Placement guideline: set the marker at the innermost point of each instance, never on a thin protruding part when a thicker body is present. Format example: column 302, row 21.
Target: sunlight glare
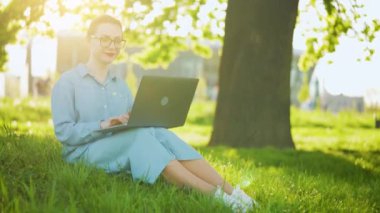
column 4, row 3
column 71, row 4
column 133, row 25
column 157, row 11
column 27, row 12
column 167, row 3
column 138, row 7
column 59, row 23
column 116, row 3
column 185, row 25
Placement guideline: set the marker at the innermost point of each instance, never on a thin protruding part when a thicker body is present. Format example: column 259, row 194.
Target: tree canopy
column 163, row 28
column 338, row 18
column 14, row 16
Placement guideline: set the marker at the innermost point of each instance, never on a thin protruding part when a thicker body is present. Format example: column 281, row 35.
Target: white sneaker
column 246, row 203
column 221, row 195
column 238, row 201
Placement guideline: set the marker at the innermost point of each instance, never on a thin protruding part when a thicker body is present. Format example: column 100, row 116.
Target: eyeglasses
column 106, row 41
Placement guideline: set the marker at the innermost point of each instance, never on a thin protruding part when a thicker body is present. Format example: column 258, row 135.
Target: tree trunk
column 253, row 108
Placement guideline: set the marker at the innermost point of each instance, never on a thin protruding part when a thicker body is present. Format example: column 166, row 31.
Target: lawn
column 335, row 167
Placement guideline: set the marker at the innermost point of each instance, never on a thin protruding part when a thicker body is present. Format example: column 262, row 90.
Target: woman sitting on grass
column 90, row 97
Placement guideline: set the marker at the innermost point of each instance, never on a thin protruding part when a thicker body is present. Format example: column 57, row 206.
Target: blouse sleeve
column 66, row 129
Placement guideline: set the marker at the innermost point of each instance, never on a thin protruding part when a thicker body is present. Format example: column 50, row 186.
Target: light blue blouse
column 79, row 103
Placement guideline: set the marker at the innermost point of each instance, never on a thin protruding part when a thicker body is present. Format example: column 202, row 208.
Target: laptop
column 160, row 102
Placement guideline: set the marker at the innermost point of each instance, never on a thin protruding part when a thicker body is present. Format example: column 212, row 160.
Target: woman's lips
column 110, row 54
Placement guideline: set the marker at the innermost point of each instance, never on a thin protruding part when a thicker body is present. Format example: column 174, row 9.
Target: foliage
column 163, row 28
column 16, row 15
column 336, row 167
column 339, row 18
column 303, row 93
column 174, row 27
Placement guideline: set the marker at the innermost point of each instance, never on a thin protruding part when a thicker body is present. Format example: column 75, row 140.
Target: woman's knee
column 172, row 168
column 170, row 173
column 172, row 164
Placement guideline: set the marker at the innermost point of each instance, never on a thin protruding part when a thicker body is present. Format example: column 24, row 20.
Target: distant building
column 324, row 90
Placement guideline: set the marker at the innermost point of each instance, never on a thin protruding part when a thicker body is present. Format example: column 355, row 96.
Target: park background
column 329, row 160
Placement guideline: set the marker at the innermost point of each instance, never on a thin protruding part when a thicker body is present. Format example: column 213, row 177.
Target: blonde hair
column 101, row 20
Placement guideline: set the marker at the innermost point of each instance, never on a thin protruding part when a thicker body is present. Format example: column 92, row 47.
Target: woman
column 90, row 97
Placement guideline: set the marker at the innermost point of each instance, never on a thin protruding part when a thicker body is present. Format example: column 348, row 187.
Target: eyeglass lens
column 106, row 42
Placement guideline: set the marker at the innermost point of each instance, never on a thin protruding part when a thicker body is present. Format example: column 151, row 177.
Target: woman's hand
column 122, row 118
column 115, row 121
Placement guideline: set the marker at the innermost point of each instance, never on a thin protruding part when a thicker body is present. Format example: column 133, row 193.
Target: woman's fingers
column 115, row 121
column 124, row 118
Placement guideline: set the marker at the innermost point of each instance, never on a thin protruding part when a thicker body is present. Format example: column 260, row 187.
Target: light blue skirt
column 143, row 152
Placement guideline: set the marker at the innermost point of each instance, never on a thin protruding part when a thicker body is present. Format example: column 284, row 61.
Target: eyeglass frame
column 122, row 41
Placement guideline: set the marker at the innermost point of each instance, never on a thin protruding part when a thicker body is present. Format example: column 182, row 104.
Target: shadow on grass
column 351, row 170
column 336, row 163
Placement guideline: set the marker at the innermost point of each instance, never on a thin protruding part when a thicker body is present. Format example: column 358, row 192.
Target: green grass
column 335, row 167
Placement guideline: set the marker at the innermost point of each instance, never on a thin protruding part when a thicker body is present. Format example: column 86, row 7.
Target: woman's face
column 106, row 42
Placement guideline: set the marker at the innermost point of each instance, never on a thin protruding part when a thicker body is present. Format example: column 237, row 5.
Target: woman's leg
column 175, row 173
column 206, row 172
column 199, row 168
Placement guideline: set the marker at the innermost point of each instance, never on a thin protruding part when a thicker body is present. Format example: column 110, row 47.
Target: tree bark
column 253, row 107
